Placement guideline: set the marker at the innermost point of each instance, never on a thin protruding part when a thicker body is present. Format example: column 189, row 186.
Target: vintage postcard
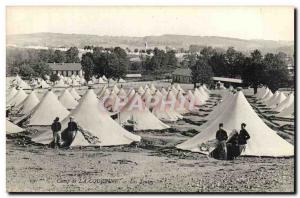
column 115, row 99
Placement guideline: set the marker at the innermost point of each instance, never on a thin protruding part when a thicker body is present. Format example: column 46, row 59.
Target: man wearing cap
column 56, row 127
column 72, row 126
column 221, row 136
column 243, row 137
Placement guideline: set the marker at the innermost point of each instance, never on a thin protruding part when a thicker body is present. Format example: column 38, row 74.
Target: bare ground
column 153, row 166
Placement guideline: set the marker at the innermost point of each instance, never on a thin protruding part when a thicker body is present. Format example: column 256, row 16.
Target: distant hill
column 173, row 41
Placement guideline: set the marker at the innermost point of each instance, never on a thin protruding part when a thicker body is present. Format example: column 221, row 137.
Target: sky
column 268, row 23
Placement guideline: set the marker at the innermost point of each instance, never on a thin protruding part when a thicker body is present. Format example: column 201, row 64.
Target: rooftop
column 65, row 66
column 223, row 79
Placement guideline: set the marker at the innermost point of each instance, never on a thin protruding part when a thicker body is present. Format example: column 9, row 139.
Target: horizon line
column 167, row 34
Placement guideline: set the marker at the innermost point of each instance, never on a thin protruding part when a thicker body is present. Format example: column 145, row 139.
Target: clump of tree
column 33, row 62
column 255, row 69
column 111, row 62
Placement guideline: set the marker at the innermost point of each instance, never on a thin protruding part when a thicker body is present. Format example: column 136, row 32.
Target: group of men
column 56, row 129
column 228, row 149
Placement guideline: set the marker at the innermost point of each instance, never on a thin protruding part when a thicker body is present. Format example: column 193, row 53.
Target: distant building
column 133, row 75
column 66, row 69
column 182, row 75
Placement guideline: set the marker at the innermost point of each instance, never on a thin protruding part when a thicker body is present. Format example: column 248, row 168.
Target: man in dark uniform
column 72, row 127
column 56, row 127
column 243, row 137
column 221, row 136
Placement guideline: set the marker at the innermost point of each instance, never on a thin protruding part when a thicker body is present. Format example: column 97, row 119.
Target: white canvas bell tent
column 103, row 91
column 288, row 112
column 122, row 93
column 67, row 100
column 101, row 81
column 91, row 116
column 12, row 128
column 267, row 96
column 43, row 84
column 165, row 109
column 122, row 80
column 272, row 99
column 131, row 93
column 115, row 89
column 203, row 93
column 74, row 93
column 260, row 92
column 286, row 103
column 47, row 110
column 183, row 105
column 199, row 99
column 29, row 104
column 137, row 111
column 11, row 94
column 22, row 84
column 141, row 90
column 18, row 98
column 206, row 89
column 263, row 140
column 60, row 83
column 264, row 93
column 152, row 88
column 104, row 78
column 280, row 98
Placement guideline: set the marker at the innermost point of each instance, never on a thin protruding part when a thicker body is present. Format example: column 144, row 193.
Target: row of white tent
column 63, row 82
column 234, row 109
column 43, row 112
column 277, row 102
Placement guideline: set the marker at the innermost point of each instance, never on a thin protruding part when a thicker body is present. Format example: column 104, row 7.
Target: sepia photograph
column 150, row 99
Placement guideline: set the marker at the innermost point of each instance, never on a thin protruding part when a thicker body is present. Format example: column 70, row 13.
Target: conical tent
column 203, row 93
column 47, row 110
column 272, row 99
column 22, row 84
column 104, row 78
column 102, row 91
column 137, row 111
column 165, row 109
column 287, row 112
column 18, row 98
column 199, row 99
column 182, row 105
column 164, row 91
column 263, row 140
column 91, row 116
column 101, row 81
column 141, row 90
column 206, row 89
column 67, row 100
column 29, row 104
column 12, row 128
column 130, row 94
column 263, row 94
column 122, row 80
column 74, row 93
column 260, row 92
column 60, row 83
column 115, row 89
column 122, row 93
column 281, row 97
column 11, row 94
column 43, row 84
column 286, row 103
column 267, row 96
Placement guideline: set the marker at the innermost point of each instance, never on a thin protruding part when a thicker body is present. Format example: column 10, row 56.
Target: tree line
column 255, row 69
